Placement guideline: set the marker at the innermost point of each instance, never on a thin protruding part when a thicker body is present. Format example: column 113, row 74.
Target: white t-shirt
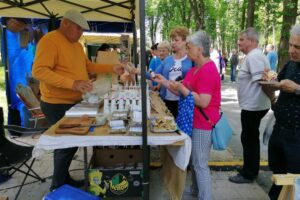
column 250, row 94
column 175, row 72
column 215, row 57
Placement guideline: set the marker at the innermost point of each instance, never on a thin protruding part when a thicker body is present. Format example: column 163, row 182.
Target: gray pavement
column 222, row 188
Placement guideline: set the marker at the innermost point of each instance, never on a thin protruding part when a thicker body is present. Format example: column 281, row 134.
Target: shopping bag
column 184, row 119
column 221, row 133
column 269, row 129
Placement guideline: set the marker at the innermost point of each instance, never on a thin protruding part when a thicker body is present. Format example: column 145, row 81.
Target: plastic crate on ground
column 68, row 192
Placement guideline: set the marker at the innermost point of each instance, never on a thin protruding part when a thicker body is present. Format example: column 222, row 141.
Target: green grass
column 2, row 79
column 3, row 102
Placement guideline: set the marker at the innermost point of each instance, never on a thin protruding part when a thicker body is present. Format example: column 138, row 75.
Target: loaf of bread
column 271, row 76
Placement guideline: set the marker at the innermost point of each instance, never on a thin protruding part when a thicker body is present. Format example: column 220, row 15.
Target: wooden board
column 287, row 193
column 285, row 179
column 76, row 130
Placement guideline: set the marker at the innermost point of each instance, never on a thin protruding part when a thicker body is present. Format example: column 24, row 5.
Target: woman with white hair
column 203, row 83
column 164, row 49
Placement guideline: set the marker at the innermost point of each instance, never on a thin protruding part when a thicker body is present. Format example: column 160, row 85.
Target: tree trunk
column 151, row 29
column 267, row 23
column 198, row 10
column 243, row 19
column 250, row 13
column 289, row 19
column 153, row 23
column 185, row 12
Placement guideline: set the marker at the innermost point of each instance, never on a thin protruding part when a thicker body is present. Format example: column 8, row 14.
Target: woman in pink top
column 203, row 81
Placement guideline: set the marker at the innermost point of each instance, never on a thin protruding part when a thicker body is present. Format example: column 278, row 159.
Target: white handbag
column 269, row 128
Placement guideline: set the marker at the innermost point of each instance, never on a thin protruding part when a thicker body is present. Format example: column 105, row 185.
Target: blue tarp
column 19, row 66
column 20, row 59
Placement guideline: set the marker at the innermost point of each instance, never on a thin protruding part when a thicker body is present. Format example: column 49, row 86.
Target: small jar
column 100, row 119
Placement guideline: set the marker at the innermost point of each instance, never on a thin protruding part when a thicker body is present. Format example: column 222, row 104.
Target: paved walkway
column 222, row 188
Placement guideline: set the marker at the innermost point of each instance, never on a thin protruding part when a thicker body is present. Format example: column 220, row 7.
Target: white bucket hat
column 77, row 18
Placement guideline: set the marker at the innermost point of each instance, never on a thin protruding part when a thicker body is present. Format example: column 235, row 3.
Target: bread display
column 271, row 75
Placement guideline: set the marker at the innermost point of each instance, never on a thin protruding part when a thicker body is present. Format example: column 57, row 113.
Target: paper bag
column 104, row 81
column 107, row 57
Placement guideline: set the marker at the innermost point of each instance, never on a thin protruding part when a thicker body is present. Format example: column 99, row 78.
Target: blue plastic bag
column 221, row 134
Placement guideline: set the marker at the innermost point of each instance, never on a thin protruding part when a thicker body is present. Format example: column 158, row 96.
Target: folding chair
column 13, row 157
column 31, row 102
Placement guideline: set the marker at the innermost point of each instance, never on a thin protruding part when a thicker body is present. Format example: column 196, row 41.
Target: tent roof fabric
column 99, row 38
column 93, row 10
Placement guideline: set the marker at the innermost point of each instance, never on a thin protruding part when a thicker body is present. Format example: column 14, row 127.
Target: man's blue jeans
column 233, row 73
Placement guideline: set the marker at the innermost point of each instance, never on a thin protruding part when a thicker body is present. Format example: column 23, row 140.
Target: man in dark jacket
column 234, row 60
column 284, row 144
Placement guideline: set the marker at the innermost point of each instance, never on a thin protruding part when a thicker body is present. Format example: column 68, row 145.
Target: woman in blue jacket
column 175, row 67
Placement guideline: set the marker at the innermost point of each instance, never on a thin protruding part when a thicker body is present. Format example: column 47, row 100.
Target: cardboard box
column 111, row 157
column 108, row 181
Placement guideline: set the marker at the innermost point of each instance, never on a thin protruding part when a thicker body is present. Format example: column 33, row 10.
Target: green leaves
column 222, row 19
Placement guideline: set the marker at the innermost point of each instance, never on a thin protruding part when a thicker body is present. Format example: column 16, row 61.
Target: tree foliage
column 224, row 19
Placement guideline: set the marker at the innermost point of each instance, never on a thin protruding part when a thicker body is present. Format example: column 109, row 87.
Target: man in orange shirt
column 62, row 68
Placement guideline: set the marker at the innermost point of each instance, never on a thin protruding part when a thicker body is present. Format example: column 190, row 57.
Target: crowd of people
column 202, row 81
column 187, row 68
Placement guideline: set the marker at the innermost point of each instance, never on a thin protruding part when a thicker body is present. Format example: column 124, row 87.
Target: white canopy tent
column 99, row 38
column 93, row 10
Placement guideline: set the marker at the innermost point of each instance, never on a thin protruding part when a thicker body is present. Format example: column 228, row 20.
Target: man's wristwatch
column 297, row 91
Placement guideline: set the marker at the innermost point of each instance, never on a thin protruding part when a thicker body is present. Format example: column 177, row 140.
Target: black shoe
column 75, row 183
column 52, row 188
column 240, row 179
column 4, row 178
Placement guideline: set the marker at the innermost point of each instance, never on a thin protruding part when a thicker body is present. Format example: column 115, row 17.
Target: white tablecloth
column 180, row 154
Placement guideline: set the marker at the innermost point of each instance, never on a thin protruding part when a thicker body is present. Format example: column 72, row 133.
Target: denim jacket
column 164, row 69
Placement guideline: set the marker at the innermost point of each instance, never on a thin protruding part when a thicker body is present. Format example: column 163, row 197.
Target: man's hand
column 127, row 78
column 118, row 69
column 130, row 68
column 82, row 86
column 265, row 74
column 288, row 85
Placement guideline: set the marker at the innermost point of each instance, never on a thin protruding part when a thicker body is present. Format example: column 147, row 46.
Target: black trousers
column 172, row 106
column 283, row 153
column 62, row 157
column 250, row 142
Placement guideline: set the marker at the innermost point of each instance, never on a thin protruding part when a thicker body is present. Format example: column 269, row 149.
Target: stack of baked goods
column 158, row 106
column 161, row 124
column 271, row 76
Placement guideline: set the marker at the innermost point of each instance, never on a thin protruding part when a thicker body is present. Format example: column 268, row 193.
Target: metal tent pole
column 144, row 100
column 135, row 55
column 7, row 82
column 13, row 114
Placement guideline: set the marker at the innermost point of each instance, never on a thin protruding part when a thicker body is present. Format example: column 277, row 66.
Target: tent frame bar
column 21, row 5
column 96, row 9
